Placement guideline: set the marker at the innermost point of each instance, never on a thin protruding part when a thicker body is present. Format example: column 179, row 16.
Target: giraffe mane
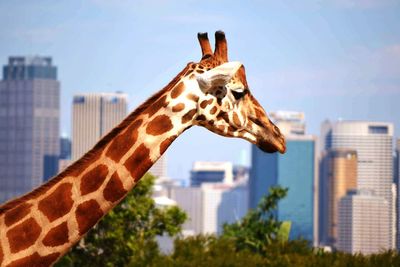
column 100, row 144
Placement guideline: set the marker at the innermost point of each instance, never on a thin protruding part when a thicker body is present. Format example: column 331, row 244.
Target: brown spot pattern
column 236, row 119
column 1, row 255
column 165, row 144
column 188, row 116
column 159, row 125
column 201, row 117
column 231, row 128
column 123, row 142
column 83, row 163
column 153, row 108
column 23, row 235
column 92, row 180
column 177, row 91
column 213, row 110
column 178, row 107
column 223, row 115
column 193, row 97
column 205, row 103
column 139, row 162
column 221, row 128
column 114, row 189
column 57, row 236
column 35, row 260
column 17, row 213
column 58, row 203
column 87, row 215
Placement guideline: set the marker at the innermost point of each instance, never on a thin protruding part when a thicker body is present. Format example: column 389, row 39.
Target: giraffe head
column 225, row 105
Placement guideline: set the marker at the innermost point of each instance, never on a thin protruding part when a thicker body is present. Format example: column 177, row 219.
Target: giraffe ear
column 218, row 76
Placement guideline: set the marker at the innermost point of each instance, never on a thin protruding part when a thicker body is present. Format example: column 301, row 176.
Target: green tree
column 260, row 226
column 128, row 233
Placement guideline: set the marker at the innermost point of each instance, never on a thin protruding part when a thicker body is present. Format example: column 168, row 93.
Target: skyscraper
column 296, row 170
column 93, row 116
column 289, row 122
column 159, row 168
column 211, row 172
column 339, row 168
column 211, row 205
column 362, row 219
column 29, row 123
column 65, row 148
column 373, row 143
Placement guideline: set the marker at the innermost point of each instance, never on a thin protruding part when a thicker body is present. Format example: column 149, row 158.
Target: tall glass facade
column 295, row 170
column 29, row 123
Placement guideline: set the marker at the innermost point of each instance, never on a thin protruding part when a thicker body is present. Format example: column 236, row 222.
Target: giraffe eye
column 238, row 95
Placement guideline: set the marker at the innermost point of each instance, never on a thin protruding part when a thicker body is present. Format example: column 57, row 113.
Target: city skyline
column 335, row 59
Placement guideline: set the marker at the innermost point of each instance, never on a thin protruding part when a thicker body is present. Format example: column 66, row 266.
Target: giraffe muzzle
column 270, row 139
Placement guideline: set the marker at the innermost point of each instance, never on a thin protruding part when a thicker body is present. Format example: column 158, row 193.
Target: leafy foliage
column 128, row 232
column 126, row 237
column 206, row 251
column 260, row 226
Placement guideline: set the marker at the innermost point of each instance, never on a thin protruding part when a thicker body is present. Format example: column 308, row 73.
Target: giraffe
column 41, row 226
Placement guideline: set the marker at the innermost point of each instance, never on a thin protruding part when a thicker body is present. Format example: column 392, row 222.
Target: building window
column 378, row 129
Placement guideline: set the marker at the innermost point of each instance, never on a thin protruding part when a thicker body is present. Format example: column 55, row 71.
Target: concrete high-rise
column 289, row 122
column 211, row 172
column 29, row 123
column 339, row 174
column 93, row 116
column 373, row 143
column 159, row 168
column 363, row 217
column 211, row 205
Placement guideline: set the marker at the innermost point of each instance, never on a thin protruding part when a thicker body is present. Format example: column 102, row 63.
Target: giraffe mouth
column 272, row 146
column 269, row 138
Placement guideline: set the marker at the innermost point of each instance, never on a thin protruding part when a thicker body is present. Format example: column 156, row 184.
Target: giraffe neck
column 41, row 226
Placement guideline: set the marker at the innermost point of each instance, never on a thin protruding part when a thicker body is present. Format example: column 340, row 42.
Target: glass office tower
column 29, row 123
column 296, row 170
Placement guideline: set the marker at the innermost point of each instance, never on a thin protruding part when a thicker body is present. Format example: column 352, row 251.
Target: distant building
column 211, row 205
column 211, row 172
column 373, row 143
column 397, row 183
column 241, row 173
column 65, row 148
column 190, row 199
column 159, row 168
column 339, row 168
column 63, row 164
column 29, row 124
column 53, row 164
column 222, row 203
column 363, row 217
column 296, row 170
column 289, row 122
column 94, row 115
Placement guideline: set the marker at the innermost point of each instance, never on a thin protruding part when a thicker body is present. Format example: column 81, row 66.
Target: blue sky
column 331, row 59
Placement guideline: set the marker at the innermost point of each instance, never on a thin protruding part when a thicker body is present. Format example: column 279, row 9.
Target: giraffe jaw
column 267, row 137
column 272, row 147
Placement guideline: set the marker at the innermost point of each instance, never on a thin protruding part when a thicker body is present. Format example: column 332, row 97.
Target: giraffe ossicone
column 41, row 226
